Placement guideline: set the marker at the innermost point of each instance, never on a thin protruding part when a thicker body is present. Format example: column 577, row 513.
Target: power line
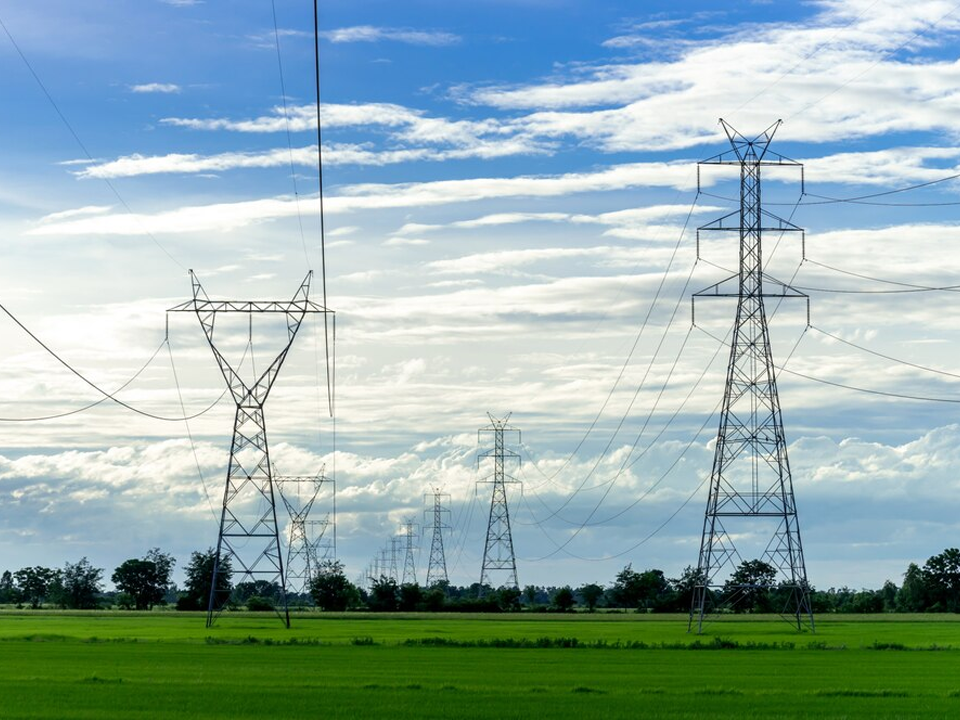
column 880, row 59
column 90, row 406
column 286, row 121
column 809, row 55
column 859, row 199
column 81, row 144
column 885, row 357
column 848, row 291
column 623, row 368
column 882, row 280
column 193, row 445
column 323, row 245
column 106, row 395
column 854, row 388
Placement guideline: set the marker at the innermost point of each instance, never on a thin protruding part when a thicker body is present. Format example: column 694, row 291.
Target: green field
column 123, row 665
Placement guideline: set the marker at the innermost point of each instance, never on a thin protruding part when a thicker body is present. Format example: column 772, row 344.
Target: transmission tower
column 394, row 552
column 302, row 547
column 751, row 473
column 437, row 567
column 498, row 553
column 383, row 569
column 409, row 564
column 248, row 538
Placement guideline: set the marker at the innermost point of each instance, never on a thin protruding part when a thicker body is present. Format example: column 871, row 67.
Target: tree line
column 146, row 582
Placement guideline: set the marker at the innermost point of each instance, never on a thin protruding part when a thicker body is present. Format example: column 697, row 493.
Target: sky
column 511, row 202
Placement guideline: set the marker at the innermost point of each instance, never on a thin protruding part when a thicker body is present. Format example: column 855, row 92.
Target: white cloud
column 334, row 155
column 155, row 88
column 370, row 33
column 77, row 212
column 621, row 107
column 230, row 216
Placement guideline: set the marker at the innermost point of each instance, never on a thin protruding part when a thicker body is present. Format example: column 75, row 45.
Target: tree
column 941, row 575
column 563, row 599
column 653, row 587
column 146, row 579
column 912, row 595
column 199, row 572
column 748, row 589
column 8, row 591
column 683, row 588
column 530, row 595
column 411, row 596
column 508, row 599
column 33, row 584
column 626, row 589
column 591, row 594
column 633, row 589
column 330, row 588
column 264, row 589
column 384, row 594
column 888, row 594
column 78, row 585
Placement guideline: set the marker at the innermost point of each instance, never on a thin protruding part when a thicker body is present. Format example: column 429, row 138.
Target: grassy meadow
column 161, row 664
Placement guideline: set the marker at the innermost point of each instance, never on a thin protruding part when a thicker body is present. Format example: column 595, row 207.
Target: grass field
column 129, row 665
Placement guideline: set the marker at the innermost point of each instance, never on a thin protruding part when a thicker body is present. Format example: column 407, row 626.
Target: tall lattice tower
column 751, row 473
column 408, row 536
column 300, row 495
column 437, row 566
column 394, row 554
column 498, row 555
column 249, row 537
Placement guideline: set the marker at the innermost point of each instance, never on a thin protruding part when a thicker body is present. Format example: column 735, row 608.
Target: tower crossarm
column 206, row 310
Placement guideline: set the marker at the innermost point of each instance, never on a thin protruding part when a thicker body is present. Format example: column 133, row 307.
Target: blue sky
column 506, row 182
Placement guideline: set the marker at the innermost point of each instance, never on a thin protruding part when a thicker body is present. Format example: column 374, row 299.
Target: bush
column 256, row 603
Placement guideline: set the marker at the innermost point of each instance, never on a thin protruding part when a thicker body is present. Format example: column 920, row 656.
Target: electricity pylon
column 437, row 566
column 248, row 538
column 409, row 563
column 383, row 569
column 751, row 473
column 498, row 552
column 302, row 549
column 394, row 565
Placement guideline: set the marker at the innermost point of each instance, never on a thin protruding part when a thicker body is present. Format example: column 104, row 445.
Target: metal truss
column 408, row 535
column 498, row 555
column 305, row 547
column 437, row 566
column 751, row 475
column 249, row 537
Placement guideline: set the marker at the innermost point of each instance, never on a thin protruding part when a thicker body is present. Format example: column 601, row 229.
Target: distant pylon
column 409, row 562
column 383, row 570
column 498, row 555
column 751, row 473
column 302, row 557
column 437, row 567
column 394, row 564
column 249, row 537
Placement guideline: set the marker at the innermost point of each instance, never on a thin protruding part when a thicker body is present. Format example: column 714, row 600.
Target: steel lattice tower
column 498, row 552
column 437, row 566
column 249, row 535
column 751, row 473
column 394, row 565
column 409, row 563
column 383, row 569
column 302, row 547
